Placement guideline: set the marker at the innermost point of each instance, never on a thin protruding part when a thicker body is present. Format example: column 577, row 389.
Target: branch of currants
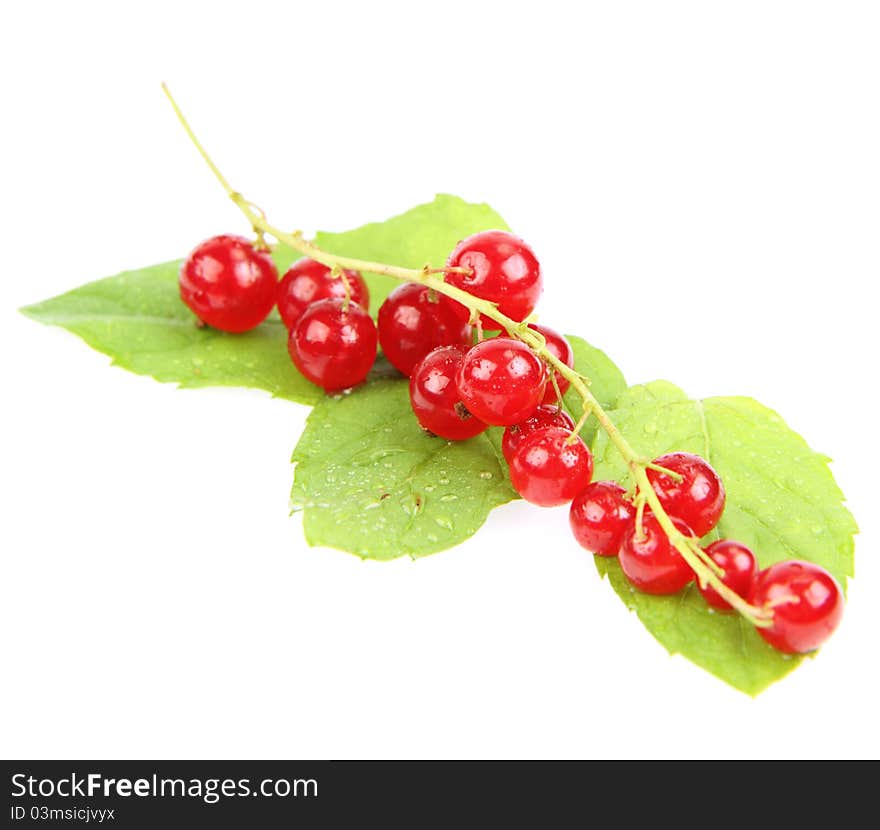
column 707, row 571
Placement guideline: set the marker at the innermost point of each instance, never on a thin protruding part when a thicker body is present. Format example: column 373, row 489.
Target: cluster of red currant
column 458, row 389
column 803, row 603
column 232, row 285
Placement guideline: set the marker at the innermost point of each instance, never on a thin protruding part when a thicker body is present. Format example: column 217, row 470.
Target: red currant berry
column 649, row 560
column 332, row 345
column 413, row 322
column 698, row 498
column 504, row 270
column 547, row 470
column 501, row 381
column 739, row 566
column 807, row 604
column 599, row 516
column 229, row 284
column 308, row 281
column 434, row 396
column 546, row 415
column 559, row 347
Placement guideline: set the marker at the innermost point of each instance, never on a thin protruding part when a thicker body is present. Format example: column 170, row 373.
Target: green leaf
column 371, row 482
column 138, row 319
column 782, row 501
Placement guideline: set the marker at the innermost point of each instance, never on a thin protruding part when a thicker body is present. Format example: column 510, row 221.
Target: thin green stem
column 198, row 144
column 557, row 392
column 581, row 421
column 339, row 273
column 640, row 517
column 434, row 279
column 676, row 477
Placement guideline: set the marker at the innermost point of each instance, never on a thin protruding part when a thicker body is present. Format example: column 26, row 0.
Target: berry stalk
column 434, row 278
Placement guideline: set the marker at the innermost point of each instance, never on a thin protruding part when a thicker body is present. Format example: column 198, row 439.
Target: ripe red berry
column 807, row 604
column 547, row 470
column 308, row 281
column 435, row 399
column 229, row 284
column 599, row 516
column 504, row 270
column 739, row 566
column 698, row 498
column 546, row 415
column 649, row 560
column 333, row 346
column 413, row 322
column 501, row 381
column 559, row 347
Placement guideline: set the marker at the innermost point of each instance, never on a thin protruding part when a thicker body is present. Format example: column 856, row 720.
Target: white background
column 702, row 184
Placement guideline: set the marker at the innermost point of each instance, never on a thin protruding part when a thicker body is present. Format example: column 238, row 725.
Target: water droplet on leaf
column 371, row 456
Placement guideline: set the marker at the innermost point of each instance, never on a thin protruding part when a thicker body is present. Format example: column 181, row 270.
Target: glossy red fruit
column 435, row 399
column 546, row 415
column 807, row 604
column 559, row 347
column 547, row 470
column 698, row 499
column 504, row 270
column 229, row 284
column 501, row 381
column 599, row 516
column 308, row 281
column 740, row 568
column 650, row 562
column 413, row 322
column 333, row 346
